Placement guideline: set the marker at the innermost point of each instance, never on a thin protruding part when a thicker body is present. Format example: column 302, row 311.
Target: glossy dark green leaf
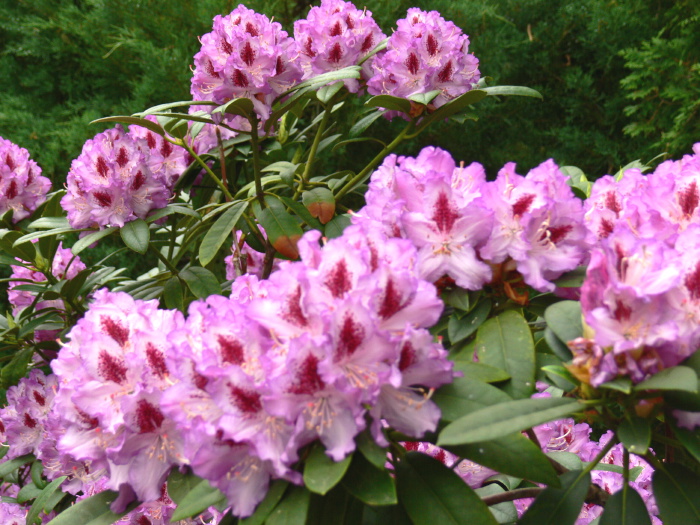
column 389, row 102
column 90, row 511
column 268, row 504
column 171, row 209
column 177, row 128
column 72, row 288
column 466, row 395
column 336, row 226
column 220, row 231
column 559, row 506
column 90, row 238
column 557, row 346
column 635, row 434
column 503, row 512
column 321, row 473
column 566, row 459
column 49, row 223
column 690, row 440
column 197, row 500
column 453, row 107
column 136, row 235
column 42, row 499
column 481, row 372
column 282, row 229
column 179, row 484
column 39, row 235
column 201, row 282
column 576, row 178
column 326, row 93
column 16, row 369
column 372, row 452
column 302, row 213
column 514, row 455
column 512, row 90
column 320, row 202
column 365, row 122
column 622, row 384
column 425, row 98
column 36, row 472
column 459, row 329
column 369, row 484
column 238, row 106
column 13, row 464
column 173, row 294
column 675, row 378
column 625, row 508
column 676, row 490
column 292, row 509
column 24, row 250
column 572, row 279
column 28, row 492
column 506, row 343
column 458, row 298
column 564, row 319
column 505, row 418
column 432, row 493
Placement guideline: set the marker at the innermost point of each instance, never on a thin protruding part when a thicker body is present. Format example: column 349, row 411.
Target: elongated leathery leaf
column 559, row 506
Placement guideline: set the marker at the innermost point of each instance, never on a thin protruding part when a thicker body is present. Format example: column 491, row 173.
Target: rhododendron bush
column 410, row 341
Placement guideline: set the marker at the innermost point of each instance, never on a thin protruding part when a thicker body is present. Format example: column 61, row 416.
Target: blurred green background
column 620, row 79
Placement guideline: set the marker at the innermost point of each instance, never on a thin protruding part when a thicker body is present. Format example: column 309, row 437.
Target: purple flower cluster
column 425, row 53
column 64, row 266
column 336, row 35
column 22, row 187
column 239, row 387
column 641, row 296
column 111, row 183
column 474, row 231
column 245, row 55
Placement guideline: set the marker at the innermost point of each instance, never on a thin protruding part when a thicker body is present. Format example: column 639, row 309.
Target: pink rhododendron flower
column 22, row 187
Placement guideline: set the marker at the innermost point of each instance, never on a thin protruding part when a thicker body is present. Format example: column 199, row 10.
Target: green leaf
column 282, row 229
column 321, row 473
column 505, row 418
column 514, row 455
column 91, row 238
column 292, row 509
column 459, row 329
column 576, row 178
column 49, row 223
column 238, row 106
column 302, row 213
column 91, row 511
column 169, row 210
column 72, row 288
column 452, row 107
column 10, row 466
column 690, row 440
column 320, row 202
column 506, row 343
column 365, row 122
column 28, row 492
column 635, row 434
column 559, row 506
column 432, row 493
column 621, row 384
column 566, row 459
column 219, row 232
column 503, row 512
column 564, row 319
column 676, row 490
column 24, row 250
column 152, row 126
column 268, row 504
column 197, row 500
column 466, row 395
column 328, row 92
column 625, row 508
column 336, row 226
column 555, row 344
column 179, row 484
column 402, row 105
column 512, row 90
column 425, row 98
column 572, row 279
column 173, row 294
column 136, row 235
column 458, row 298
column 481, row 372
column 16, row 369
column 369, row 448
column 201, row 282
column 369, row 484
column 42, row 499
column 675, row 378
column 36, row 471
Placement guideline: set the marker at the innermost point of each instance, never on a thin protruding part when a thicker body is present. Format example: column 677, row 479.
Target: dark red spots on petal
column 308, row 48
column 441, row 457
column 689, row 198
column 115, row 329
column 391, row 300
column 122, row 157
column 139, row 180
column 101, row 166
column 231, row 350
column 10, row 162
column 2, row 427
column 445, row 74
column 30, row 176
column 612, row 202
column 251, row 29
column 692, row 282
column 11, row 192
column 148, row 417
column 336, row 53
column 411, row 446
column 308, row 380
column 156, row 360
column 239, row 78
column 339, row 280
column 103, row 198
column 367, row 44
column 408, row 356
column 522, row 205
column 151, row 141
column 236, row 20
column 606, row 228
column 443, row 213
column 247, row 401
column 166, row 149
column 248, row 54
column 294, row 313
column 199, row 380
column 337, row 29
column 41, row 400
column 29, row 421
column 622, row 312
column 351, row 336
column 143, row 520
column 415, row 20
column 225, row 47
column 412, row 64
column 89, row 421
column 279, row 66
column 350, row 22
column 209, row 68
column 558, row 233
column 432, row 45
column 111, row 368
